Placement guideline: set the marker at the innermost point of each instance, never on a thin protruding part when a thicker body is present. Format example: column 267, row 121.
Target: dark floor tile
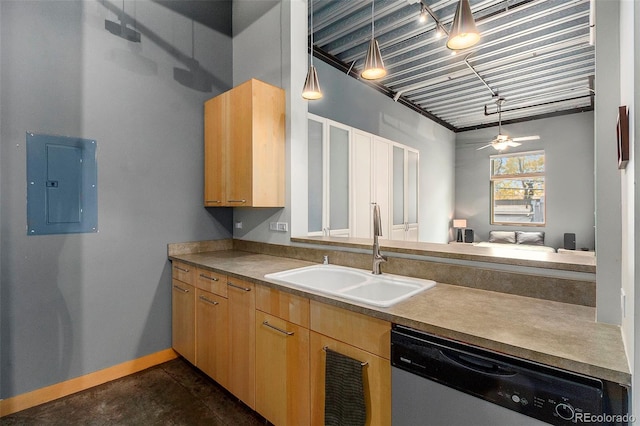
column 173, row 393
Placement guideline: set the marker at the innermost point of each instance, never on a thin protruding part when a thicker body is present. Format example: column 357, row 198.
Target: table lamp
column 459, row 224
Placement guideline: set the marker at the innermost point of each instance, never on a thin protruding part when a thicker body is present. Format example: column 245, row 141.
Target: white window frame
column 541, row 204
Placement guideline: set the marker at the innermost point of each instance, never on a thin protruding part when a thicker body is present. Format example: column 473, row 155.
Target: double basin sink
column 382, row 290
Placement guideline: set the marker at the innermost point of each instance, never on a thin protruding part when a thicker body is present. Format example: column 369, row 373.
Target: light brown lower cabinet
column 183, row 305
column 282, row 371
column 242, row 340
column 212, row 337
column 360, row 337
column 267, row 347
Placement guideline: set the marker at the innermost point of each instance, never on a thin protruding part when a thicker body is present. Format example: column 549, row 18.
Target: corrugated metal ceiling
column 534, row 53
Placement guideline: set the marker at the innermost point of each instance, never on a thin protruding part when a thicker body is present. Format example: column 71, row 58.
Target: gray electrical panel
column 62, row 185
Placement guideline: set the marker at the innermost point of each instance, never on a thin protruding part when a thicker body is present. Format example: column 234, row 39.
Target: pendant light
column 311, row 89
column 463, row 30
column 373, row 65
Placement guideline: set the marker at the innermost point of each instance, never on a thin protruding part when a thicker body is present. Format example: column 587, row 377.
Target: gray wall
column 74, row 304
column 569, row 150
column 268, row 36
column 353, row 103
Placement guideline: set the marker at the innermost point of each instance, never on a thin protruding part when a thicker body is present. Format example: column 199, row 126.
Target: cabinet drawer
column 362, row 331
column 287, row 306
column 212, row 282
column 184, row 272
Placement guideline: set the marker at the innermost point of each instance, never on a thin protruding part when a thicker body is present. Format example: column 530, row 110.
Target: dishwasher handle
column 478, row 365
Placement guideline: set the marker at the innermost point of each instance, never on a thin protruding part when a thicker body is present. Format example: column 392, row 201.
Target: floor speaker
column 468, row 235
column 569, row 241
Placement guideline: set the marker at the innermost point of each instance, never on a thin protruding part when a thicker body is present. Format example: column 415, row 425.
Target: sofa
column 516, row 240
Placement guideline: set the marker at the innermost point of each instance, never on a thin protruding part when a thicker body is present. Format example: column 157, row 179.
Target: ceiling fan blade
column 513, row 143
column 526, row 138
column 483, row 147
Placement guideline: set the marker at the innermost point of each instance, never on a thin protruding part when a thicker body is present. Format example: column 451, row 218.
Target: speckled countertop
column 557, row 334
column 506, row 256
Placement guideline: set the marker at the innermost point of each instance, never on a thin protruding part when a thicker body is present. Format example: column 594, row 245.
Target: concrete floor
column 173, row 393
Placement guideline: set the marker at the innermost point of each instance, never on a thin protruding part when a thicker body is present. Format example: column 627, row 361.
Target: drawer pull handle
column 238, row 287
column 213, row 201
column 236, row 201
column 288, row 333
column 181, row 269
column 184, row 290
column 208, row 277
column 206, row 299
column 363, row 363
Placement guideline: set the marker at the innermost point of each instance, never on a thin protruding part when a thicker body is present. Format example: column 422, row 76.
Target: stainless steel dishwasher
column 436, row 381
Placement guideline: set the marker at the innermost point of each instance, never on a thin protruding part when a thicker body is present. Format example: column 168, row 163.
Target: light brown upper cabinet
column 244, row 142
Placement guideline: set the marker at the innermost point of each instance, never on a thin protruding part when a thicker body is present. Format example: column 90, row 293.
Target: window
column 518, row 188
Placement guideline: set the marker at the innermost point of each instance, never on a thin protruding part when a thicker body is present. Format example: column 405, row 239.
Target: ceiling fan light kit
column 501, row 142
column 463, row 34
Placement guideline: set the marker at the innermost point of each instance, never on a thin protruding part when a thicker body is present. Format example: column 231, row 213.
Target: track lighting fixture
column 463, row 32
column 373, row 65
column 423, row 14
column 311, row 89
column 120, row 28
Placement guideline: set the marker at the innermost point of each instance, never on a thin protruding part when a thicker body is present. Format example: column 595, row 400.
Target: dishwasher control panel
column 554, row 396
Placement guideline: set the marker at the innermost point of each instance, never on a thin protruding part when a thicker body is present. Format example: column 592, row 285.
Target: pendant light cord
column 311, row 32
column 373, row 2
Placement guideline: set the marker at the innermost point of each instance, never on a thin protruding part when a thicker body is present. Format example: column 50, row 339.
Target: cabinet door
column 242, row 340
column 381, row 180
column 405, row 194
column 282, row 371
column 315, row 184
column 361, row 169
column 398, row 193
column 212, row 336
column 183, row 319
column 216, row 127
column 412, row 196
column 376, row 380
column 339, row 182
column 238, row 174
column 268, row 156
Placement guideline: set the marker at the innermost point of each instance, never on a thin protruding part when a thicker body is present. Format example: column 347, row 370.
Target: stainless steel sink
column 355, row 284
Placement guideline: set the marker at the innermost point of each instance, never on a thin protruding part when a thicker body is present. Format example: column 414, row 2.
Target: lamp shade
column 373, row 65
column 311, row 89
column 459, row 223
column 463, row 32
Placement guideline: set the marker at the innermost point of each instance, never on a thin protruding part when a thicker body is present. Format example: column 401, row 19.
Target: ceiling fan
column 501, row 141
